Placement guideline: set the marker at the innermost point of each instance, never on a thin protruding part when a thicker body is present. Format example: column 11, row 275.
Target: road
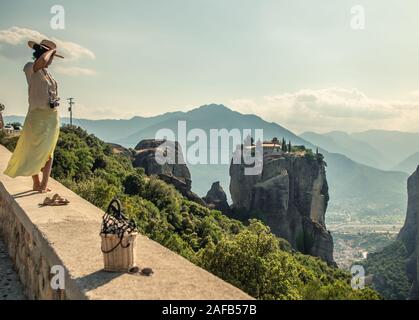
column 358, row 227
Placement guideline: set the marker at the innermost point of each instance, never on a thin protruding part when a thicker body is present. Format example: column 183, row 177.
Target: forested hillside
column 247, row 255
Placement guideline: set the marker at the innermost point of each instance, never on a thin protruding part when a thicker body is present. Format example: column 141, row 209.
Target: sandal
column 144, row 272
column 147, row 272
column 57, row 197
column 55, row 200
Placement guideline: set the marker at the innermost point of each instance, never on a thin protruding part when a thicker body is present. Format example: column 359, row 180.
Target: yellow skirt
column 36, row 143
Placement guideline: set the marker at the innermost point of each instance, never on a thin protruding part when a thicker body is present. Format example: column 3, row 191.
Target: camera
column 54, row 103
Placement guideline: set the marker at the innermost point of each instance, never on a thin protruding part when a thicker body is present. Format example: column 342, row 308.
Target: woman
column 37, row 141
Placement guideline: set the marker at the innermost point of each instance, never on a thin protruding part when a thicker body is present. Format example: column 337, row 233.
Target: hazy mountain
column 212, row 117
column 356, row 183
column 346, row 144
column 377, row 148
column 352, row 186
column 395, row 145
column 351, row 183
column 10, row 119
column 409, row 164
column 110, row 130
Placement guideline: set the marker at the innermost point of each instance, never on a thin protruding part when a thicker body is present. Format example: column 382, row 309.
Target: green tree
column 134, row 184
column 95, row 190
column 85, row 163
column 65, row 164
column 15, row 125
column 388, row 268
column 252, row 261
column 283, row 145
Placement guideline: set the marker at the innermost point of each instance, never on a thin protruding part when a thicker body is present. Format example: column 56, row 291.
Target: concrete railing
column 44, row 240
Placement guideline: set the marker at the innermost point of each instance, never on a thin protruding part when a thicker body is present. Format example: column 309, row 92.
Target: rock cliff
column 118, row 149
column 409, row 234
column 146, row 158
column 291, row 196
column 217, row 199
column 176, row 173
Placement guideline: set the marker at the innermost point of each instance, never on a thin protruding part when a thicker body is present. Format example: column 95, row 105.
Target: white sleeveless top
column 40, row 86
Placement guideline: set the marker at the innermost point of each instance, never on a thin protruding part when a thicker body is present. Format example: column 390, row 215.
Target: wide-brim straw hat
column 47, row 44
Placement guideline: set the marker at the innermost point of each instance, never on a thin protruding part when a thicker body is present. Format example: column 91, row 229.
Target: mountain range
column 410, row 164
column 355, row 162
column 387, row 150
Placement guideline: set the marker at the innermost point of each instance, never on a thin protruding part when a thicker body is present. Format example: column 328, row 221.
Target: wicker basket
column 119, row 255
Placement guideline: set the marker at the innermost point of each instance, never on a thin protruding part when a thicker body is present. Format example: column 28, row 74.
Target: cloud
column 414, row 94
column 248, row 104
column 74, row 71
column 333, row 109
column 16, row 36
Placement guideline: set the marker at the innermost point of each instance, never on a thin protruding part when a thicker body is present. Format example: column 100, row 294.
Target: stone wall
column 39, row 238
column 30, row 254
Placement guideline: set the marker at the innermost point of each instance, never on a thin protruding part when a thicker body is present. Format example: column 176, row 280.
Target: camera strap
column 51, row 81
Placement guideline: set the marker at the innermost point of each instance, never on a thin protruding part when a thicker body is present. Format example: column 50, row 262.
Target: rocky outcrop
column 146, row 158
column 174, row 172
column 290, row 196
column 409, row 234
column 183, row 187
column 217, row 199
column 118, row 149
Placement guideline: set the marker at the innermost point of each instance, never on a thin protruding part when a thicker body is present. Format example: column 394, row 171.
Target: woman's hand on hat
column 44, row 60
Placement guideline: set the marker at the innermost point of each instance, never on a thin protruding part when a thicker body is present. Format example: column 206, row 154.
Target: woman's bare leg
column 46, row 172
column 36, row 182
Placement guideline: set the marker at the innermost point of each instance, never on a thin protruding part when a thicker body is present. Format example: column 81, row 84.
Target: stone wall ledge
column 38, row 238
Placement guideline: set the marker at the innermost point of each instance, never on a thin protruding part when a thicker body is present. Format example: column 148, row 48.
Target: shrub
column 134, row 184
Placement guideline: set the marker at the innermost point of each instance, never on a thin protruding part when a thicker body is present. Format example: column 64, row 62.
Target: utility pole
column 2, row 107
column 70, row 108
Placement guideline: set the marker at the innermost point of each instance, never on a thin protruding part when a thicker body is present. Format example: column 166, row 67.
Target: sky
column 299, row 63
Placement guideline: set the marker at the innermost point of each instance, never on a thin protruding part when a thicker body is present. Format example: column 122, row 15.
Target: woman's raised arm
column 43, row 60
